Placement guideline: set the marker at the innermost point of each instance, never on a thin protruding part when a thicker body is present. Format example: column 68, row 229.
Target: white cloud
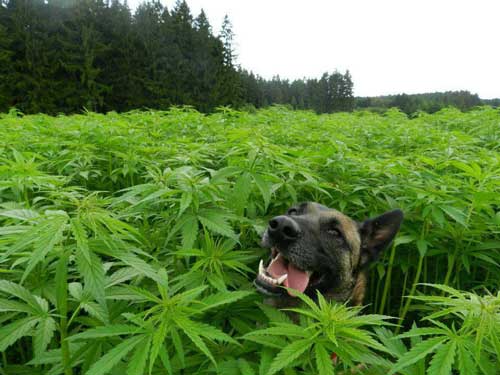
column 390, row 46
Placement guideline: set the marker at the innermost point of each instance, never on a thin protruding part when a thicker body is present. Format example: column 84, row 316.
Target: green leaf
column 186, row 199
column 179, row 349
column 90, row 267
column 239, row 196
column 12, row 332
column 466, row 364
column 245, row 367
column 158, row 342
column 49, row 235
column 21, row 292
column 289, row 354
column 222, row 298
column 43, row 335
column 189, row 232
column 323, row 361
column 138, row 360
column 193, row 333
column 61, row 279
column 455, row 214
column 106, row 331
column 443, row 359
column 417, row 353
column 215, row 221
column 111, row 358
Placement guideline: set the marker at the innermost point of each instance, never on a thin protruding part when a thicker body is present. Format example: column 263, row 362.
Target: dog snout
column 283, row 227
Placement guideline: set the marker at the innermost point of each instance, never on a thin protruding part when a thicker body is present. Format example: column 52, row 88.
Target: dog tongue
column 297, row 279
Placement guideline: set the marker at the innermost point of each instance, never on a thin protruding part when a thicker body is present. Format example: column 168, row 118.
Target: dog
column 316, row 248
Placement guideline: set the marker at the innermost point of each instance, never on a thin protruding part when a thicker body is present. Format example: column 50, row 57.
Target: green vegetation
column 61, row 56
column 129, row 242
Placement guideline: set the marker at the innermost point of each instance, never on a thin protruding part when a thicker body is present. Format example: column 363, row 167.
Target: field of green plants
column 129, row 242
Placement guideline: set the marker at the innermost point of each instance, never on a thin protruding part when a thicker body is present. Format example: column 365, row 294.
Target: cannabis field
column 129, row 242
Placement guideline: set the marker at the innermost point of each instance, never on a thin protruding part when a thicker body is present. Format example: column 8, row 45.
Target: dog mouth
column 281, row 272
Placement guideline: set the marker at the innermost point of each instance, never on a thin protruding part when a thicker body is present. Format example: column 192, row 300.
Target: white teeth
column 269, row 279
column 282, row 278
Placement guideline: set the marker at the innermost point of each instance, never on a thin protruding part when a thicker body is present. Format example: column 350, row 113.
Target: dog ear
column 377, row 233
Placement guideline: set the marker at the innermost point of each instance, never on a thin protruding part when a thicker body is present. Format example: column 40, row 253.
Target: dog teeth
column 309, row 273
column 269, row 279
column 281, row 278
column 261, row 268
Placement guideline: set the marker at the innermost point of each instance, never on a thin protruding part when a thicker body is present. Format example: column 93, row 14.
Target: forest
column 67, row 56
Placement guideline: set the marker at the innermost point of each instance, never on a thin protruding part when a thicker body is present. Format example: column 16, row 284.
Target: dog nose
column 284, row 227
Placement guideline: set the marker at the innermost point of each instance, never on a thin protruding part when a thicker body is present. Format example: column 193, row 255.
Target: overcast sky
column 390, row 47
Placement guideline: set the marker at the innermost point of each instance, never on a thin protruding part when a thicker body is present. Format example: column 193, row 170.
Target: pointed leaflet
column 245, row 367
column 137, row 363
column 10, row 333
column 61, row 280
column 189, row 231
column 111, row 358
column 158, row 339
column 43, row 335
column 289, row 354
column 49, row 235
column 194, row 335
column 179, row 349
column 107, row 331
column 466, row 363
column 418, row 352
column 21, row 292
column 222, row 298
column 240, row 193
column 443, row 359
column 264, row 187
column 216, row 221
column 323, row 360
column 91, row 268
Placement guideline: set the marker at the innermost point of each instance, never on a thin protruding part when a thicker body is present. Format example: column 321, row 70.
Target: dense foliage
column 128, row 242
column 430, row 102
column 65, row 55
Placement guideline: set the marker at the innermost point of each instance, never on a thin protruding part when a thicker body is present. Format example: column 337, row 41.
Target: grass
column 128, row 242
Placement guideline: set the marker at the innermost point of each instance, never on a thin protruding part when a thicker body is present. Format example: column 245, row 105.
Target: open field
column 129, row 242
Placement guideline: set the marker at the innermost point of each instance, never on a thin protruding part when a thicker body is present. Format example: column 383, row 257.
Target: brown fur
column 330, row 244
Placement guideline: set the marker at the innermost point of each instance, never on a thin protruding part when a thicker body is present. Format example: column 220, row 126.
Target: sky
column 390, row 47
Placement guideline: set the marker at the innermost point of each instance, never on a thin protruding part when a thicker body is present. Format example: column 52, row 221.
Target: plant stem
column 412, row 292
column 387, row 280
column 451, row 264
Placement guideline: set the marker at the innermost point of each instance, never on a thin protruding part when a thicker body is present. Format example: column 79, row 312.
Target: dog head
column 316, row 248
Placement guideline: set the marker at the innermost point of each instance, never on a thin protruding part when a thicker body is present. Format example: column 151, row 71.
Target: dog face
column 314, row 247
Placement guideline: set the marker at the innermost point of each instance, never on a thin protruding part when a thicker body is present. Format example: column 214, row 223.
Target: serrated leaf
column 323, row 361
column 215, row 221
column 289, row 354
column 111, row 358
column 442, row 360
column 106, row 331
column 416, row 353
column 43, row 335
column 12, row 332
column 466, row 364
column 222, row 298
column 138, row 360
column 455, row 214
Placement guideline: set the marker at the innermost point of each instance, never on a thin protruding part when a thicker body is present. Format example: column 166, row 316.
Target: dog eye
column 292, row 211
column 334, row 232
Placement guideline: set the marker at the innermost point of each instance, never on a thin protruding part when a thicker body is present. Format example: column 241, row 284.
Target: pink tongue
column 297, row 279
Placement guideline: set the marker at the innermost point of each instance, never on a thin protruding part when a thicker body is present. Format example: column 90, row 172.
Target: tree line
column 64, row 56
column 428, row 102
column 67, row 55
